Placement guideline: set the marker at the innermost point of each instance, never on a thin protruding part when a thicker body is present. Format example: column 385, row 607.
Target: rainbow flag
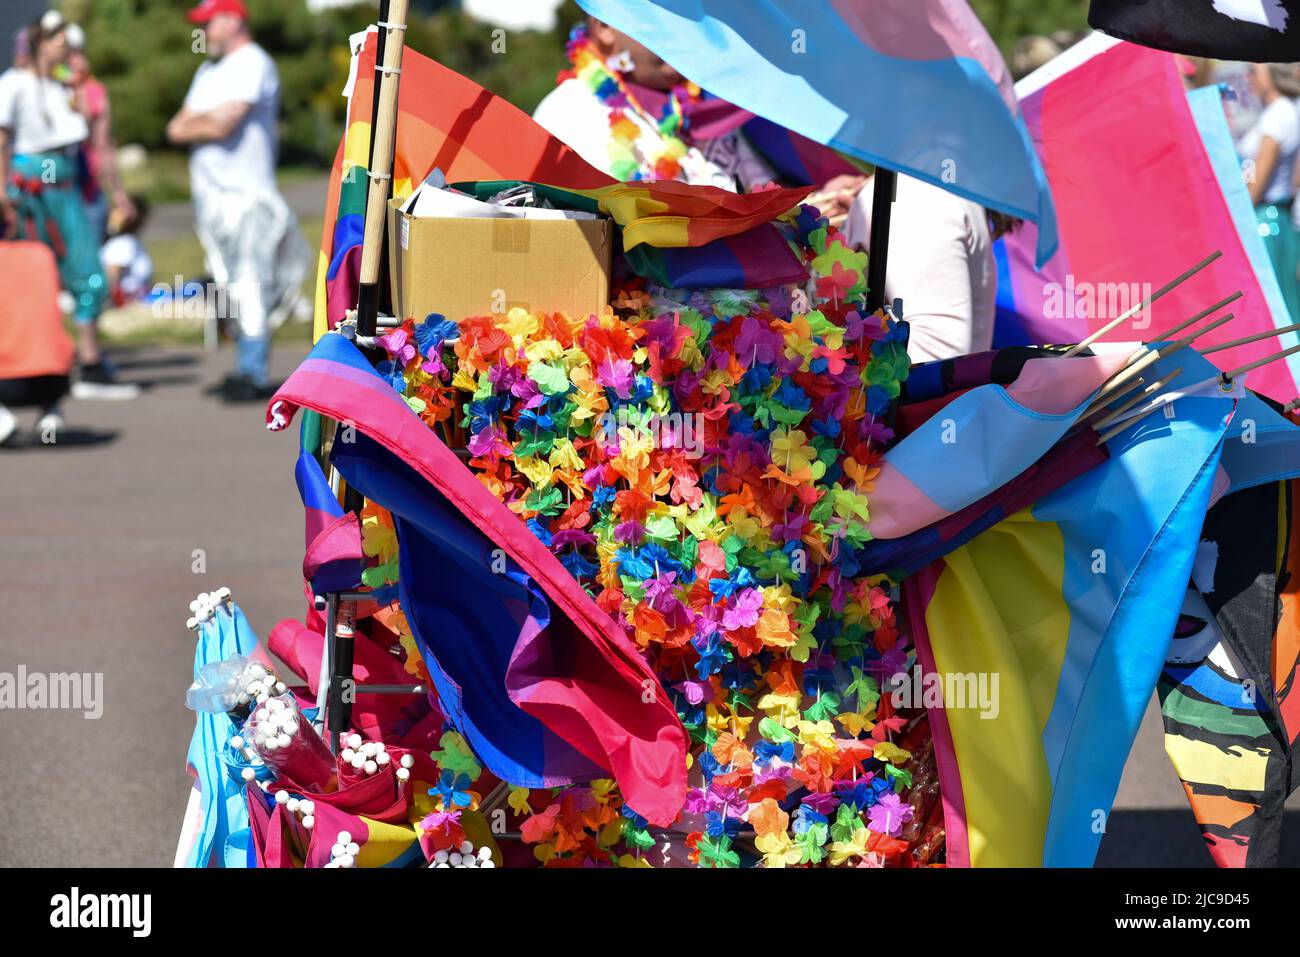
column 1068, row 605
column 543, row 684
column 916, row 86
column 1146, row 184
column 677, row 235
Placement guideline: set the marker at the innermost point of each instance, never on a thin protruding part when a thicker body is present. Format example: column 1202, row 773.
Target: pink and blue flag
column 916, row 86
column 1146, row 184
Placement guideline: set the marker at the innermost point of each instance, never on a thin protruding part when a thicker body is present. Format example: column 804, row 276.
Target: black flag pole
column 882, row 209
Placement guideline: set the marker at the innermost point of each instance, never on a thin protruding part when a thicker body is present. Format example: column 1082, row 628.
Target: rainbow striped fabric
column 677, row 235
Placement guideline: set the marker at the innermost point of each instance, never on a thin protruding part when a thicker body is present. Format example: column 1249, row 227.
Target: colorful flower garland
column 702, row 463
column 633, row 154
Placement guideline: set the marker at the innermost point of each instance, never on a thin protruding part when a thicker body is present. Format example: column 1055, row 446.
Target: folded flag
column 221, row 815
column 981, row 441
column 1145, row 186
column 1261, row 31
column 542, row 682
column 961, row 129
column 1068, row 605
column 448, row 122
column 333, row 557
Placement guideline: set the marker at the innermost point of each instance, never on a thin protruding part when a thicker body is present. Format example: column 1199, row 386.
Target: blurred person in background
column 41, row 134
column 1270, row 148
column 127, row 263
column 102, row 187
column 249, row 235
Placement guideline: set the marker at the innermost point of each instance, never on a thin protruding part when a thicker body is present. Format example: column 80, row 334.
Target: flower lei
column 727, row 553
column 633, row 155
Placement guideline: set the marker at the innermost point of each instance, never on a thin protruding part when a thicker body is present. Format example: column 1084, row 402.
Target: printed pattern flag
column 1070, row 603
column 333, row 556
column 929, row 94
column 1141, row 197
column 1225, row 693
column 545, row 645
column 1261, row 31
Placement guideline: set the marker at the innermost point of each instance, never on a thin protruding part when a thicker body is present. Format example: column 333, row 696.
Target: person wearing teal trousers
column 1269, row 151
column 40, row 134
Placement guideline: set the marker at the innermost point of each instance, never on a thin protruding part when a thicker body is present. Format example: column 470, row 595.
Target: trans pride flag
column 916, row 86
column 542, row 683
column 1146, row 184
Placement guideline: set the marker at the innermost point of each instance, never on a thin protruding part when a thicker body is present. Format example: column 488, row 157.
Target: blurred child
column 127, row 265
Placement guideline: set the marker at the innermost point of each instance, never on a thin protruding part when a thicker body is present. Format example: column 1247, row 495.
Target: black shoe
column 240, row 388
column 98, row 382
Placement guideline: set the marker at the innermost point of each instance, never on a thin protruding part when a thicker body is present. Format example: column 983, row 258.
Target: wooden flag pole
column 1227, row 376
column 1146, row 393
column 1174, row 330
column 381, row 167
column 1124, row 375
column 1126, row 316
column 1244, row 340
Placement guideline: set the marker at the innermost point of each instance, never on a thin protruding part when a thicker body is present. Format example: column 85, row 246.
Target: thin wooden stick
column 1125, row 317
column 1146, row 393
column 1260, row 362
column 1103, row 401
column 1145, row 347
column 1295, row 326
column 1149, row 357
column 1107, row 436
column 1174, row 330
column 1291, row 406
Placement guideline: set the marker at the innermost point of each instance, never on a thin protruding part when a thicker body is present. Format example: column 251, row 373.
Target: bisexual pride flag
column 916, row 86
column 542, row 683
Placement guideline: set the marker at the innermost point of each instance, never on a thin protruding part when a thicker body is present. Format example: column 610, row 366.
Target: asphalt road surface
column 99, row 539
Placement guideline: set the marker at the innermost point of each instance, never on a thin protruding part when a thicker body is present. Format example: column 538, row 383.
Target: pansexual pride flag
column 542, row 683
column 1146, row 184
column 1071, row 603
column 916, row 86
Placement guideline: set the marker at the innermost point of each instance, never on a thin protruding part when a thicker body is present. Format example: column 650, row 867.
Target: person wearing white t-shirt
column 1271, row 147
column 249, row 235
column 41, row 199
column 941, row 265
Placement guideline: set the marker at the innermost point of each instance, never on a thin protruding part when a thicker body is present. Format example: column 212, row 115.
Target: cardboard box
column 475, row 267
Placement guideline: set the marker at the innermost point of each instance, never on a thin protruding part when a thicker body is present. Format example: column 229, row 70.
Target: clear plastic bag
column 283, row 738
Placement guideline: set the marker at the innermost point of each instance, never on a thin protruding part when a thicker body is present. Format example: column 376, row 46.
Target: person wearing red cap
column 249, row 235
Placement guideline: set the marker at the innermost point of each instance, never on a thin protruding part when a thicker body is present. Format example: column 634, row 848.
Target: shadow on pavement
column 1170, row 838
